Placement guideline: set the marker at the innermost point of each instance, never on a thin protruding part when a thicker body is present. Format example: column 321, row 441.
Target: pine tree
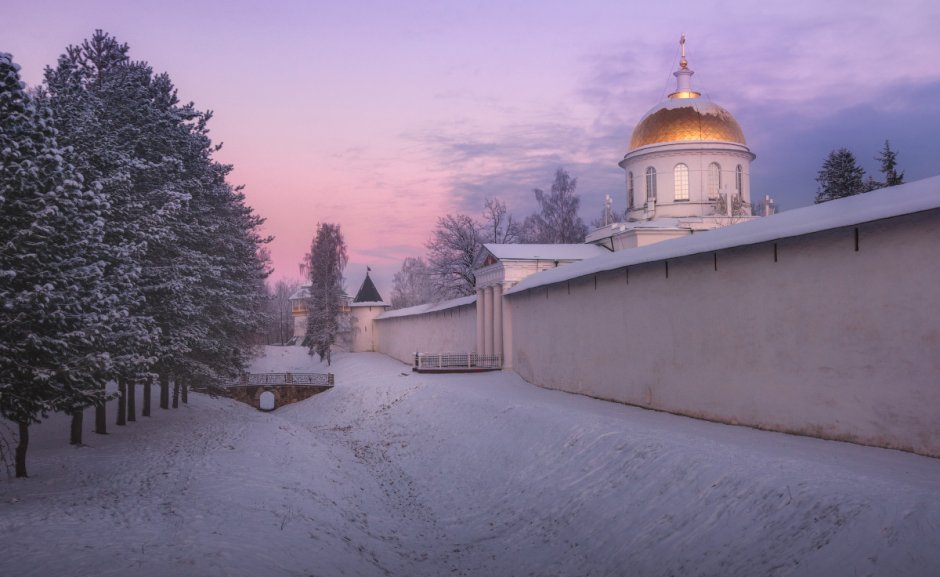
column 57, row 307
column 557, row 221
column 327, row 260
column 103, row 108
column 185, row 244
column 840, row 176
column 889, row 162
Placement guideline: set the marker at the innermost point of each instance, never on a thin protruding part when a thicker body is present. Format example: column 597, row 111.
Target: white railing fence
column 457, row 361
column 285, row 379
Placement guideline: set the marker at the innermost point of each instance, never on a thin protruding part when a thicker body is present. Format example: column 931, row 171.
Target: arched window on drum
column 630, row 190
column 714, row 180
column 650, row 183
column 681, row 176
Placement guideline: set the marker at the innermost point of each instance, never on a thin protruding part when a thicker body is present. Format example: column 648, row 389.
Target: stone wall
column 807, row 334
column 442, row 328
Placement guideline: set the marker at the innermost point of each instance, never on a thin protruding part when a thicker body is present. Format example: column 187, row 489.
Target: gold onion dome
column 685, row 117
column 686, row 120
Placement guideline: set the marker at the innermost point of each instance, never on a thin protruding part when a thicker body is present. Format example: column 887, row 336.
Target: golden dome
column 686, row 119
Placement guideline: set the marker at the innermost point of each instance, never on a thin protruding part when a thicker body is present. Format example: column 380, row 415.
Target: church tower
column 687, row 168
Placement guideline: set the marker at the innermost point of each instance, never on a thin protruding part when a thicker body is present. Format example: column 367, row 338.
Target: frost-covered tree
column 279, row 322
column 104, row 110
column 412, row 284
column 498, row 226
column 57, row 311
column 186, row 247
column 840, row 176
column 889, row 166
column 452, row 252
column 327, row 262
column 557, row 220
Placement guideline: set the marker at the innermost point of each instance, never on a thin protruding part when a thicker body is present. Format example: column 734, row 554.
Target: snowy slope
column 394, row 473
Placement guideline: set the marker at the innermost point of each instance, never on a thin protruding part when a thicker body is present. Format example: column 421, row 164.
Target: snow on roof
column 428, row 308
column 879, row 204
column 301, row 293
column 545, row 251
column 369, row 304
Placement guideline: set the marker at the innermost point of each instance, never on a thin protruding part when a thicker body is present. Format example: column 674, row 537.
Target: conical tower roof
column 367, row 292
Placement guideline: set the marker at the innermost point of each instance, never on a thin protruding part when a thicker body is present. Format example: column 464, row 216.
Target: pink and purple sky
column 383, row 115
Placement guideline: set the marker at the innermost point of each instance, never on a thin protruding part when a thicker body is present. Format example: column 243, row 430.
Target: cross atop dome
column 683, row 76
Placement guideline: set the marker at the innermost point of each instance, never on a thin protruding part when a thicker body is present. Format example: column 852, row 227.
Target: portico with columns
column 500, row 267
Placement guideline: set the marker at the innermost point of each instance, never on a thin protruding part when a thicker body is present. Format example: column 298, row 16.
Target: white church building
column 819, row 321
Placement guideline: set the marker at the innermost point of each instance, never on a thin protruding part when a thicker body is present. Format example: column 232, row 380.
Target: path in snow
column 395, row 473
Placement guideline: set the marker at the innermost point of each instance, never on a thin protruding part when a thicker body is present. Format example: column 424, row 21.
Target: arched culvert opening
column 266, row 401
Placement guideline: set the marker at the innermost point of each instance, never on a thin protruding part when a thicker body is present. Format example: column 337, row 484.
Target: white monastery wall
column 803, row 334
column 436, row 329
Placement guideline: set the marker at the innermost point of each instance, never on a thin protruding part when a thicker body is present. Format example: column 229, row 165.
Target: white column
column 480, row 325
column 498, row 319
column 507, row 332
column 488, row 320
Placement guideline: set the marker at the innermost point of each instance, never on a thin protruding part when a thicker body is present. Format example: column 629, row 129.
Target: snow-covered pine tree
column 327, row 260
column 840, row 176
column 103, row 110
column 192, row 250
column 889, row 166
column 57, row 312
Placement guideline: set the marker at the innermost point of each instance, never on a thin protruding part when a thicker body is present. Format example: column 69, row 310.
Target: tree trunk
column 185, row 392
column 75, row 435
column 145, row 411
column 21, row 449
column 132, row 401
column 164, row 391
column 122, row 403
column 176, row 393
column 101, row 418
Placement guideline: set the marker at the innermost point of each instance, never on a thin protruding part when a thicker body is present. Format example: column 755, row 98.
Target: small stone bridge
column 268, row 391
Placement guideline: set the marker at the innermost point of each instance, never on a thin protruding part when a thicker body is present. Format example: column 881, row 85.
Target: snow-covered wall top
column 544, row 251
column 428, row 308
column 884, row 203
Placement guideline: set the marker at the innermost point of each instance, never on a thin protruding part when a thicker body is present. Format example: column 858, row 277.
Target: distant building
column 359, row 312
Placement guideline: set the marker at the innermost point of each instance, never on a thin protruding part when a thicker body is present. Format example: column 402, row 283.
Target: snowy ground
column 394, row 473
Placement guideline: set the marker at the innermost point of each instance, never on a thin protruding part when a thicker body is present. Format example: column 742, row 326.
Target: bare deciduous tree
column 413, row 284
column 498, row 225
column 452, row 251
column 557, row 221
column 279, row 321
